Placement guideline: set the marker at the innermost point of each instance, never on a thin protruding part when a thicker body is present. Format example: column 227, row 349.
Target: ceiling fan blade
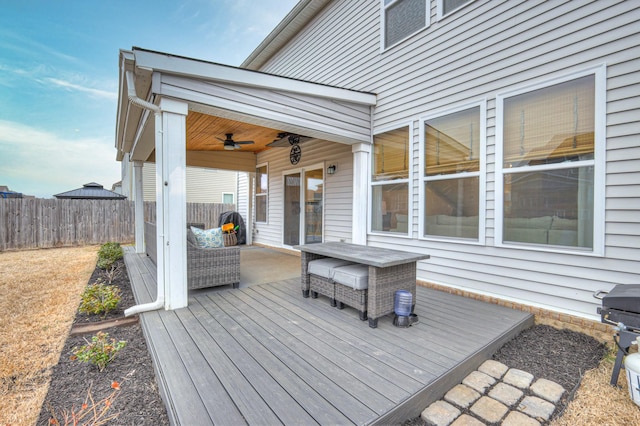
column 244, row 142
column 287, row 140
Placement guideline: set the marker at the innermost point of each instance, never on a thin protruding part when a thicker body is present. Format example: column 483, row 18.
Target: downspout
column 134, row 99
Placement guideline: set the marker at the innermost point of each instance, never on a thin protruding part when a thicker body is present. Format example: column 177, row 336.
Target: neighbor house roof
column 90, row 191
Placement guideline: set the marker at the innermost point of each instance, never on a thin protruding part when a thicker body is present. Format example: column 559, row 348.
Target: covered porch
column 263, row 354
column 180, row 112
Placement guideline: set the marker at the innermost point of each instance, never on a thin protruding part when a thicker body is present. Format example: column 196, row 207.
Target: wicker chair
column 205, row 267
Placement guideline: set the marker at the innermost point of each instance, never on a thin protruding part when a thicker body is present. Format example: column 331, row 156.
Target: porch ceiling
column 204, row 130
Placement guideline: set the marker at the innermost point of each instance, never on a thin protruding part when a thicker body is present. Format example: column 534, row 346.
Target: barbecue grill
column 621, row 307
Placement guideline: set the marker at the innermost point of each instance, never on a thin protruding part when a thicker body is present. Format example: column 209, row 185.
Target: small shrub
column 99, row 298
column 109, row 254
column 112, row 272
column 100, row 351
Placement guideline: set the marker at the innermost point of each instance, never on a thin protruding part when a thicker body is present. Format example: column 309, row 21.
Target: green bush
column 109, row 254
column 99, row 298
column 100, row 351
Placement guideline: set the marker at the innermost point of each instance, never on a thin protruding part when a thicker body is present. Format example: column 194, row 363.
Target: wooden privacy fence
column 44, row 223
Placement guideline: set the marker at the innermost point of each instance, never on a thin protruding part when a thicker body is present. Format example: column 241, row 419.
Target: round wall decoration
column 295, row 154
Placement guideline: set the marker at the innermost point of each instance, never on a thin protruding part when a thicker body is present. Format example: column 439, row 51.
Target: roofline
column 288, row 28
column 180, row 65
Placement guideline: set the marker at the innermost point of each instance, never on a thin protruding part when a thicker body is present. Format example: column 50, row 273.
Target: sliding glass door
column 303, row 206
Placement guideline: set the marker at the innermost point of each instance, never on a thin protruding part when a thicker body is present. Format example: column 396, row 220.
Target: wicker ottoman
column 321, row 277
column 351, row 284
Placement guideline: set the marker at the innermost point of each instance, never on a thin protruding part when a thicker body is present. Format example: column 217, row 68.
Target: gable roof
column 90, row 191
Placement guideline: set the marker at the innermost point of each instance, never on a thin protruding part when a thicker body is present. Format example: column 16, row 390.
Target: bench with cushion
column 351, row 284
column 343, row 282
column 321, row 277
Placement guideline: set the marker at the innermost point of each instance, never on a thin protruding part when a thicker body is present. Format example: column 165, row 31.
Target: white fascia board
column 225, row 73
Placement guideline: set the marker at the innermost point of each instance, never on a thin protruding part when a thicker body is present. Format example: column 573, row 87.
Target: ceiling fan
column 285, row 139
column 230, row 144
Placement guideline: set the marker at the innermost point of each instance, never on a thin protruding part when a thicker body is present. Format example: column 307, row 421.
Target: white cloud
column 41, row 163
column 95, row 92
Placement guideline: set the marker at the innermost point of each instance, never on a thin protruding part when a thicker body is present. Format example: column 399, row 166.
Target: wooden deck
column 265, row 355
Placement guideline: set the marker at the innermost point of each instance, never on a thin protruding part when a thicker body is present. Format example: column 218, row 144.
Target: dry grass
column 598, row 403
column 39, row 294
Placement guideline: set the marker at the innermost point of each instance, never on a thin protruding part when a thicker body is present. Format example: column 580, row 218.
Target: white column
column 361, row 163
column 138, row 200
column 172, row 201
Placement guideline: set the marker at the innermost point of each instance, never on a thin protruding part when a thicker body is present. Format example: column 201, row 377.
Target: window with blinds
column 403, row 18
column 451, row 175
column 550, row 125
column 390, row 182
column 449, row 6
column 548, row 165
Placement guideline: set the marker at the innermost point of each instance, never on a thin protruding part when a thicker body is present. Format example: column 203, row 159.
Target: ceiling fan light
column 229, row 147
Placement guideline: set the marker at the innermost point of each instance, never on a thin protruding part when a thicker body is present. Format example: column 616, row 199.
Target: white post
column 361, row 159
column 173, row 202
column 138, row 200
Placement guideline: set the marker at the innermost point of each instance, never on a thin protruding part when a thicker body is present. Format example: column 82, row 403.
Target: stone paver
column 551, row 391
column 495, row 394
column 537, row 407
column 479, row 381
column 462, row 396
column 518, row 378
column 515, row 418
column 440, row 413
column 489, row 409
column 493, row 368
column 467, row 420
column 506, row 394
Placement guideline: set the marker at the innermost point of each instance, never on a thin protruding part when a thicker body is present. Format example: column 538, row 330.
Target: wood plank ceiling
column 204, row 130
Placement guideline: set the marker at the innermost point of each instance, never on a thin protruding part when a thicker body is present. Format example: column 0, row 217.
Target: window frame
column 266, row 194
column 408, row 181
column 598, row 163
column 481, row 174
column 383, row 26
column 233, row 196
column 442, row 15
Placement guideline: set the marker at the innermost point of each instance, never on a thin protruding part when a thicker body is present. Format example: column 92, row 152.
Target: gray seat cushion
column 354, row 276
column 324, row 267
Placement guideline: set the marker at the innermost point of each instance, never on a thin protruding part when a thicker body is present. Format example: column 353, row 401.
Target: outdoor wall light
column 331, row 169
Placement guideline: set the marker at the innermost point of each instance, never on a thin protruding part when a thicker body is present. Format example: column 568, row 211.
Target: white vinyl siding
column 338, row 191
column 479, row 52
column 203, row 185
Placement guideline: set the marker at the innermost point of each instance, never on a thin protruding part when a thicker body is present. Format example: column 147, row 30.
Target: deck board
column 266, row 355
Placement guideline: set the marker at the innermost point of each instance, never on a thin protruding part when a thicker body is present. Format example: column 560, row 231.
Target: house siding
column 338, row 191
column 203, row 185
column 485, row 49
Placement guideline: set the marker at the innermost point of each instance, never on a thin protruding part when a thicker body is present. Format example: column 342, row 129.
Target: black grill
column 622, row 305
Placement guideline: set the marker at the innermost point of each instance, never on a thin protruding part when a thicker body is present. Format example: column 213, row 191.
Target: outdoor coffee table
column 389, row 271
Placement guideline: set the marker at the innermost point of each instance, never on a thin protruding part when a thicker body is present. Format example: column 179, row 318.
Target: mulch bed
column 138, row 401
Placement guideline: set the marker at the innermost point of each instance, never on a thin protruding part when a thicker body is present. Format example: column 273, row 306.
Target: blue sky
column 59, row 75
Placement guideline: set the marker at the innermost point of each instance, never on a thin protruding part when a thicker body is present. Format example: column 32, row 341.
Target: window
column 453, row 149
column 402, row 18
column 262, row 193
column 228, row 197
column 447, row 6
column 548, row 179
column 390, row 182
